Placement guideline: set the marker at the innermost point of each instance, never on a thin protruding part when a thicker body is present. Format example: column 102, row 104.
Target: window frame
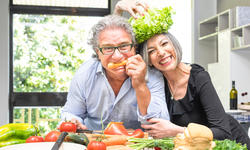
column 34, row 99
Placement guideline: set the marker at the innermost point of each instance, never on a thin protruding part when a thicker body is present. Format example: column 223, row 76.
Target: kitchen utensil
column 88, row 131
column 59, row 141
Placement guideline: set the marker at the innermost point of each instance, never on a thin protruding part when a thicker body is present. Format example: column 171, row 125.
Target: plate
column 44, row 146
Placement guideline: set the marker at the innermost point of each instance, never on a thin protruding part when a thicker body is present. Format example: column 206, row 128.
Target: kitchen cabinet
column 241, row 37
column 224, row 40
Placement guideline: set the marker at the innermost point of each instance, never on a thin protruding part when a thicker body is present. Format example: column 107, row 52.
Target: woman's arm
column 131, row 6
column 216, row 116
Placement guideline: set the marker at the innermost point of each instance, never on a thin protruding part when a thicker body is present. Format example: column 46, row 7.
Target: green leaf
column 156, row 21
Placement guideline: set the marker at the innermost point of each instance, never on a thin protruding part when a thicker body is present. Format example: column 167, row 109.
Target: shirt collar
column 100, row 68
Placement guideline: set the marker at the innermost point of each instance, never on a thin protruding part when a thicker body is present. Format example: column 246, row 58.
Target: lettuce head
column 155, row 21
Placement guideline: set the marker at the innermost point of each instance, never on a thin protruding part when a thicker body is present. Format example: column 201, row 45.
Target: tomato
column 157, row 148
column 138, row 133
column 96, row 145
column 52, row 136
column 33, row 139
column 67, row 127
column 116, row 128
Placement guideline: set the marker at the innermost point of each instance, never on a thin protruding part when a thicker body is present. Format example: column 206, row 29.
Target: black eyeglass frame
column 117, row 47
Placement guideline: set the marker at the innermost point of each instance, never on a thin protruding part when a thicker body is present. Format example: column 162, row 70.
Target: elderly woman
column 190, row 94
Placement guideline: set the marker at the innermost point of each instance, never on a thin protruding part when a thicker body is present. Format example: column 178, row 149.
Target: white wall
column 227, row 4
column 4, row 49
column 240, row 73
column 201, row 9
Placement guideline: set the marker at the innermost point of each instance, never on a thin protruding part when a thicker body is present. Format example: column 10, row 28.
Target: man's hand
column 78, row 124
column 132, row 7
column 136, row 69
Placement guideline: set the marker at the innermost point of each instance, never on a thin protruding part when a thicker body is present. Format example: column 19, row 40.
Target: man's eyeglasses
column 124, row 48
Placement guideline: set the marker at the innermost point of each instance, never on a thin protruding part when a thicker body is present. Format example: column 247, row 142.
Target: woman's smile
column 165, row 61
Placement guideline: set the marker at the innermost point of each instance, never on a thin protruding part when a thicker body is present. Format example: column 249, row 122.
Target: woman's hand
column 131, row 6
column 161, row 128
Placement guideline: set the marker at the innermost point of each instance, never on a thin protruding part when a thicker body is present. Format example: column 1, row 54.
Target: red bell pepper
column 117, row 128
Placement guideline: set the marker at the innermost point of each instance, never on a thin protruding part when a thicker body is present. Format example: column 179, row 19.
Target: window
column 47, row 45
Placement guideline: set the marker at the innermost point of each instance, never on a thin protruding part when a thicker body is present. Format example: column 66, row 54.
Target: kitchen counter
column 240, row 115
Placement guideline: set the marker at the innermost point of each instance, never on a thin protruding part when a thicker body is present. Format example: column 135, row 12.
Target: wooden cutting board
column 244, row 107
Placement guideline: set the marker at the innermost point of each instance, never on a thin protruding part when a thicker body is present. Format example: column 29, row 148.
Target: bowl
column 44, row 146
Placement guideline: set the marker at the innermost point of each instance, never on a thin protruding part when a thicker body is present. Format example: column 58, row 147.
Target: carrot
column 109, row 139
column 115, row 140
column 115, row 65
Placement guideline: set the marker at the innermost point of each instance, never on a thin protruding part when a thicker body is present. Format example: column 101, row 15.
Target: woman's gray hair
column 176, row 45
column 110, row 21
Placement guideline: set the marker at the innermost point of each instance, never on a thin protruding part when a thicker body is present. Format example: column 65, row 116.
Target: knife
column 59, row 141
column 88, row 131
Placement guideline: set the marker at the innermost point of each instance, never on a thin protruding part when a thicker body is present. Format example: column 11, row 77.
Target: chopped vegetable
column 67, row 126
column 108, row 139
column 117, row 128
column 17, row 130
column 34, row 139
column 96, row 145
column 156, row 21
column 229, row 145
column 11, row 141
column 80, row 138
column 116, row 65
column 168, row 144
column 52, row 136
column 140, row 143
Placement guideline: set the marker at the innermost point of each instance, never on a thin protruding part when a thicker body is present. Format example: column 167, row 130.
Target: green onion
column 140, row 143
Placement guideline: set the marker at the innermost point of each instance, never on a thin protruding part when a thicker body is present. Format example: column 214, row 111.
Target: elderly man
column 112, row 86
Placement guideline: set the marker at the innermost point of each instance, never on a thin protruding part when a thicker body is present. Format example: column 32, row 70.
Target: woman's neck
column 178, row 73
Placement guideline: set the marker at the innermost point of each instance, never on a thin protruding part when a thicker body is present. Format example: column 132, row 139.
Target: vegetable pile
column 164, row 144
column 156, row 21
column 117, row 128
column 229, row 145
column 168, row 144
column 16, row 133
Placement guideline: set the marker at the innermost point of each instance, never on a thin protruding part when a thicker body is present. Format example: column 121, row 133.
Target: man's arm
column 150, row 94
column 136, row 70
column 74, row 109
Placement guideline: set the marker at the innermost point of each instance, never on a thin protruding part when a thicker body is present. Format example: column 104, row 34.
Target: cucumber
column 80, row 138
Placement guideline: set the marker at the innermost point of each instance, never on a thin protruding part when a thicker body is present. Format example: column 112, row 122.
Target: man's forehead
column 114, row 36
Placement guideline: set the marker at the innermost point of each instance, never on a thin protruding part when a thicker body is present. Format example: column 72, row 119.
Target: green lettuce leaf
column 229, row 145
column 155, row 21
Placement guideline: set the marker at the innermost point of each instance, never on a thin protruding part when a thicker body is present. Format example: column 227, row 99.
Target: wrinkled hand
column 132, row 7
column 136, row 69
column 161, row 128
column 78, row 124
